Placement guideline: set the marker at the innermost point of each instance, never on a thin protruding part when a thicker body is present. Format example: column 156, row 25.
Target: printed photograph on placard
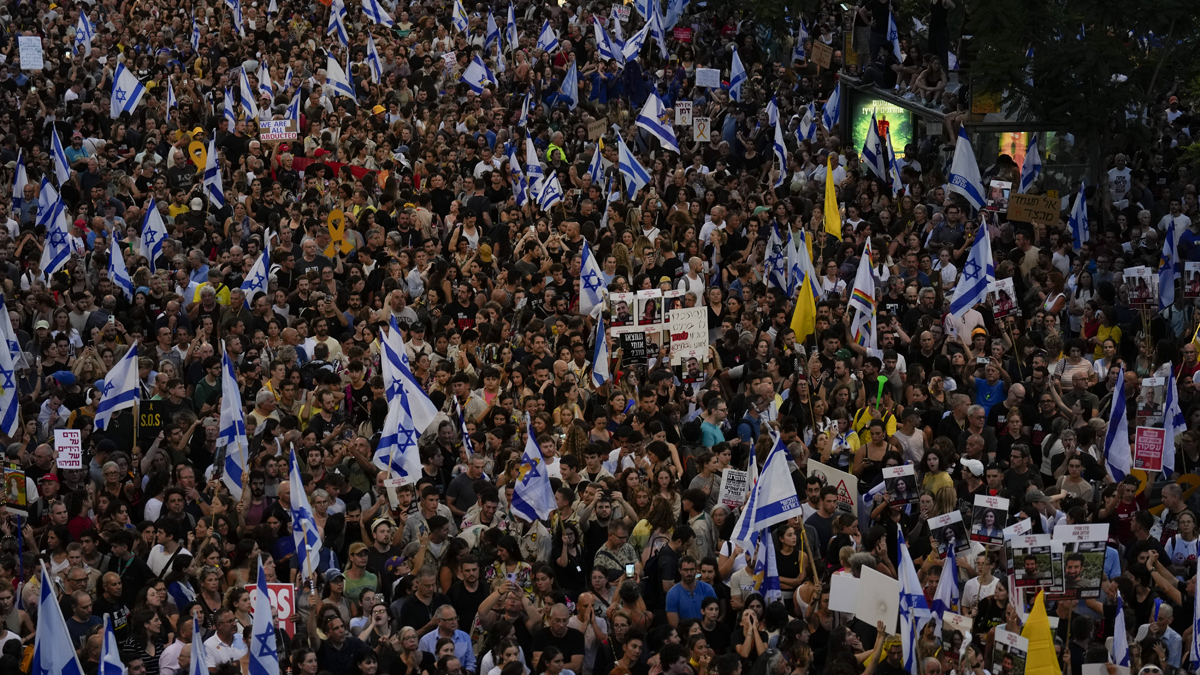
column 621, row 307
column 1009, row 653
column 1030, row 561
column 946, row 527
column 997, row 198
column 988, row 518
column 1003, row 297
column 673, row 299
column 1191, row 279
column 1083, row 559
column 900, row 484
column 1140, row 283
column 693, row 371
column 1151, row 400
column 649, row 307
column 956, row 633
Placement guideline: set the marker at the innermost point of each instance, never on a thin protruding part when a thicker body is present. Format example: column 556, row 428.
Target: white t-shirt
column 158, row 559
column 218, row 652
column 1119, row 182
column 973, row 592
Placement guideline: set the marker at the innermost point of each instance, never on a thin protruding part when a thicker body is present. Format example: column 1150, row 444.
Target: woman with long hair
column 510, row 565
column 237, row 600
column 146, row 639
column 448, row 572
column 304, row 662
column 552, row 663
column 666, row 487
column 244, row 554
column 566, row 554
column 411, row 660
column 933, row 469
column 789, row 558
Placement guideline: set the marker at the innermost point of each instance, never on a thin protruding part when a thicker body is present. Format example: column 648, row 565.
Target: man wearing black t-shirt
column 467, row 594
column 568, row 640
column 462, row 310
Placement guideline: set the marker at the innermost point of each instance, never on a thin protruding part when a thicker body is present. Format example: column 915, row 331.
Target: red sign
column 283, row 602
column 1148, row 446
column 683, row 34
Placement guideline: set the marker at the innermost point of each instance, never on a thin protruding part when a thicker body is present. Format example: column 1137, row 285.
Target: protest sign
column 30, row 49
column 278, row 130
column 689, row 335
column 901, row 484
column 989, row 516
column 1027, row 208
column 708, row 77
column 822, row 54
column 846, row 485
column 1148, row 448
column 283, row 602
column 701, row 129
column 68, row 443
column 683, row 113
column 734, row 488
column 596, row 129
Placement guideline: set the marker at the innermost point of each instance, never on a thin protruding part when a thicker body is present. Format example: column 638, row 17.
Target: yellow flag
column 833, row 220
column 1042, row 659
column 804, row 319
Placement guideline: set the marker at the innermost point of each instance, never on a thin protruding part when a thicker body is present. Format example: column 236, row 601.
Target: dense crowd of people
column 410, row 200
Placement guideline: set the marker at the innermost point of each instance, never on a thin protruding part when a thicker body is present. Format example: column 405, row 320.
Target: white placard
column 683, row 113
column 846, row 484
column 734, row 488
column 701, row 129
column 1018, row 529
column 708, row 77
column 278, row 130
column 30, row 47
column 689, row 334
column 874, row 597
column 449, row 59
column 69, row 444
column 622, row 13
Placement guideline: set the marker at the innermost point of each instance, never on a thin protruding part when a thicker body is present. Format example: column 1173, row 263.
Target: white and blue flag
column 547, row 39
column 228, row 113
column 117, row 270
column 656, row 29
column 337, row 23
column 772, row 111
column 373, row 9
column 121, row 388
column 10, row 402
column 945, row 598
column 633, row 46
column 798, row 53
column 600, row 358
column 172, row 102
column 154, row 232
column 1117, row 456
column 964, row 172
column 892, row 166
column 596, row 166
column 304, row 530
column 62, row 167
column 914, row 610
column 231, row 431
column 636, row 176
column 737, row 77
column 533, row 498
column 293, row 111
column 1173, row 423
column 604, row 45
column 873, row 156
column 48, row 204
column 264, row 82
column 533, row 168
column 592, row 289
column 57, row 250
column 551, row 192
column 338, row 79
column 776, row 264
column 655, row 119
column 492, row 36
column 766, row 570
column 459, row 17
column 1032, row 167
column 510, row 28
column 477, row 75
column 264, row 655
column 85, row 32
column 127, row 92
column 212, row 177
column 235, row 7
column 195, row 37
column 569, row 89
column 780, row 149
column 373, row 61
column 772, row 500
column 1168, row 269
column 893, row 36
column 978, row 274
column 807, row 130
column 256, row 281
column 246, row 93
column 110, row 652
column 674, row 12
column 1081, row 232
column 20, row 180
column 49, row 657
column 831, row 114
column 1120, row 643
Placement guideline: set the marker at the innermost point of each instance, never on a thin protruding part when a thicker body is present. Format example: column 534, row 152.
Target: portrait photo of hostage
column 1009, row 653
column 900, row 484
column 947, row 527
column 1031, row 559
column 1075, row 573
column 986, row 525
column 621, row 314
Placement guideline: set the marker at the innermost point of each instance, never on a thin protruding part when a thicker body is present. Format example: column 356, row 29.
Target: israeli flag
column 1032, row 167
column 117, row 271
column 893, row 36
column 264, row 82
column 1120, row 643
column 9, row 336
column 517, row 177
column 643, row 8
column 674, row 12
column 655, row 25
column 493, row 33
column 655, row 119
column 524, row 118
column 459, row 18
column 127, row 92
column 373, row 61
column 172, row 102
column 737, row 77
column 247, row 95
column 1080, row 231
column 569, row 89
column 773, row 498
column 338, row 79
column 304, row 530
column 120, row 389
column 775, row 265
column 893, row 168
column 154, row 232
column 772, row 111
column 62, row 168
column 831, row 114
column 195, row 39
column 229, row 113
column 293, row 111
column 780, row 149
column 477, row 75
column 604, row 45
column 945, row 598
column 231, row 432
column 596, row 166
column 551, row 192
column 49, row 657
column 766, row 570
column 633, row 46
column 20, row 180
column 212, row 177
column 964, row 172
column 592, row 290
column 273, row 8
column 636, row 176
column 1173, row 423
column 533, row 168
column 337, row 23
column 600, row 357
column 510, row 28
column 374, row 11
column 57, row 250
column 798, row 53
column 978, row 274
column 872, row 152
column 615, row 22
column 48, row 204
column 533, row 498
column 1116, row 442
column 547, row 40
column 264, row 656
column 914, row 610
column 807, row 130
column 1167, row 269
column 235, row 7
column 110, row 651
column 10, row 418
column 85, row 32
column 256, row 281
column 399, row 380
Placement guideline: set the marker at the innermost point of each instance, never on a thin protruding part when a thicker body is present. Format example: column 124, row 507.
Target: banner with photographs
column 1009, row 653
column 956, row 633
column 947, row 526
column 988, row 518
column 1030, row 561
column 846, row 484
column 1083, row 560
column 1003, row 296
column 901, row 485
column 1191, row 279
column 1141, row 284
column 620, row 305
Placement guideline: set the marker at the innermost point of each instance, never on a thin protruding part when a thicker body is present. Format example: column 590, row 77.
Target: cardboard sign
column 846, row 484
column 1033, row 209
column 30, row 47
column 949, row 526
column 988, row 519
column 822, row 54
column 901, row 485
column 735, row 488
column 150, row 421
column 1009, row 653
column 701, row 129
column 622, row 13
column 69, row 445
column 649, row 308
column 683, row 34
column 596, row 129
column 708, row 77
column 683, row 113
column 689, row 335
column 1148, row 444
column 634, row 350
column 449, row 60
column 278, row 130
column 872, row 598
column 283, row 602
column 1083, row 559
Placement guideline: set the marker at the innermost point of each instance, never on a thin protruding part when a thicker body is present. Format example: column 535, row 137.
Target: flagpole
column 136, row 418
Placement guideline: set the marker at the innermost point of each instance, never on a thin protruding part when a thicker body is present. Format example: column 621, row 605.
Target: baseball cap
column 48, row 476
column 197, row 204
column 973, row 465
column 485, row 253
column 332, row 575
column 1035, row 496
column 64, row 377
column 664, row 279
column 41, row 324
column 76, row 135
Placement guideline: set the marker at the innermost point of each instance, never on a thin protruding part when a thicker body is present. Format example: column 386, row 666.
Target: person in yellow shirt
column 215, row 282
column 179, row 204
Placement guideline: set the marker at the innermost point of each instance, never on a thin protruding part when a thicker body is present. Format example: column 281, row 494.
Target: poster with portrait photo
column 1083, row 560
column 673, row 299
column 1009, row 653
column 1029, row 560
column 998, row 192
column 621, row 305
column 649, row 307
column 988, row 518
column 1191, row 279
column 1003, row 296
column 949, row 526
column 900, row 482
column 1140, row 284
column 1151, row 401
column 956, row 633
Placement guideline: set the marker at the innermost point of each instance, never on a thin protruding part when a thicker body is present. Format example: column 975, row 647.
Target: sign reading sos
column 283, row 602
